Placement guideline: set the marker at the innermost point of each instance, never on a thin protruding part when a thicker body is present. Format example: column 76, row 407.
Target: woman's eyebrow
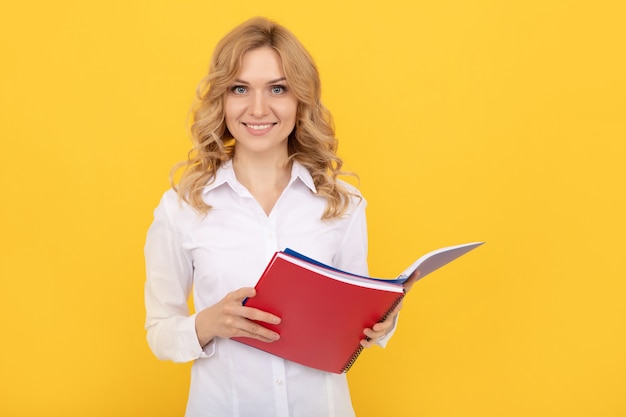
column 277, row 80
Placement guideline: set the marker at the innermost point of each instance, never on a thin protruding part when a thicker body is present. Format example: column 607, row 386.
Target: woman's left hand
column 380, row 330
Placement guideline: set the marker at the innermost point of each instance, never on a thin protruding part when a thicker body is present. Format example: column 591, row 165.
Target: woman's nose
column 259, row 105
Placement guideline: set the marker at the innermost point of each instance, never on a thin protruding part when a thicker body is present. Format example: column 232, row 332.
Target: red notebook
column 323, row 311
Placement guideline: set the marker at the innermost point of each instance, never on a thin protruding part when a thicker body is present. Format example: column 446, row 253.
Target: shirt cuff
column 208, row 350
column 188, row 346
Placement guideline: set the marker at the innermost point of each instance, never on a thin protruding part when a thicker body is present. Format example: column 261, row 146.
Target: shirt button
column 279, row 382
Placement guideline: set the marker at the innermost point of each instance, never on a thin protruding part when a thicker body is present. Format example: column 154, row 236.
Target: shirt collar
column 299, row 171
column 226, row 175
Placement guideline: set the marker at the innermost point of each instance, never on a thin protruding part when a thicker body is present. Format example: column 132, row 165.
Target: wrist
column 204, row 336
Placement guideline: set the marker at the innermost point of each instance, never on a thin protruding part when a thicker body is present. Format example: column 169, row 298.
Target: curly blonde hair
column 312, row 142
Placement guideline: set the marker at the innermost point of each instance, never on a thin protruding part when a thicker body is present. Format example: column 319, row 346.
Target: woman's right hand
column 229, row 318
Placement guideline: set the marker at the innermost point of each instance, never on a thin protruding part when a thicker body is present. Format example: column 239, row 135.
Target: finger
column 241, row 294
column 255, row 330
column 252, row 313
column 388, row 322
column 383, row 327
column 259, row 315
column 248, row 322
column 373, row 334
column 366, row 343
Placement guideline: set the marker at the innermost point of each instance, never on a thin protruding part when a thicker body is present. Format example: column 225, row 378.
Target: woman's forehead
column 261, row 64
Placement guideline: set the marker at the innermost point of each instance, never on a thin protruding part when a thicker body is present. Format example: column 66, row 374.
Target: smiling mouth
column 259, row 126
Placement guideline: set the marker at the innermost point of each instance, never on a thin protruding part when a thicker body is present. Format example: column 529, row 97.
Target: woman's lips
column 258, row 129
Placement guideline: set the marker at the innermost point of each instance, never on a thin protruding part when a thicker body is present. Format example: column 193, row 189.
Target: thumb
column 409, row 282
column 243, row 293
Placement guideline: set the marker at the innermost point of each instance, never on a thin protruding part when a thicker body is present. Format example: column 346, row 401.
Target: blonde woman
column 261, row 177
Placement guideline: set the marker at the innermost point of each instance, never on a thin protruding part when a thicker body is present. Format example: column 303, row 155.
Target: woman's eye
column 278, row 89
column 238, row 89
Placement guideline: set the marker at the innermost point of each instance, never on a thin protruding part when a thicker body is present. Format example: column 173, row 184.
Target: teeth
column 259, row 127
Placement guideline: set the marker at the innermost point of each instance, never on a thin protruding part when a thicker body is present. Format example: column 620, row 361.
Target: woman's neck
column 265, row 178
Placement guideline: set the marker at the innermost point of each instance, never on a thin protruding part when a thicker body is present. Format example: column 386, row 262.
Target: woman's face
column 260, row 107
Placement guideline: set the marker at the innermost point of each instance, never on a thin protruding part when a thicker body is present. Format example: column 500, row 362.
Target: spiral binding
column 359, row 349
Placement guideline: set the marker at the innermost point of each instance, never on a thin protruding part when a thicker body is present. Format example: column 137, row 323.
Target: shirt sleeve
column 352, row 250
column 171, row 331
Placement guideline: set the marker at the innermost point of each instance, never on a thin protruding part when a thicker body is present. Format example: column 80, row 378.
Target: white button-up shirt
column 228, row 249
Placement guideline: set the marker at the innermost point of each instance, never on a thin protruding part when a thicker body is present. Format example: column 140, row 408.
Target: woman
column 262, row 176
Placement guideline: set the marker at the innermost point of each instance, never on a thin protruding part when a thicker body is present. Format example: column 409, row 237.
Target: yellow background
column 466, row 120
